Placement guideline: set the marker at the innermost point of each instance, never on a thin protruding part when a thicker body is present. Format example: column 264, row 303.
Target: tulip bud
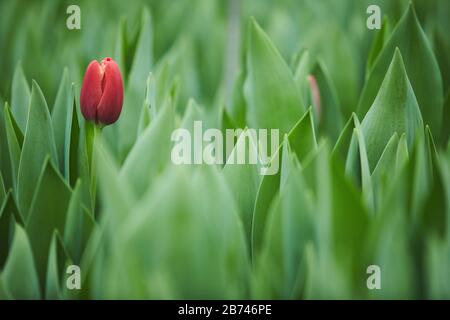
column 102, row 92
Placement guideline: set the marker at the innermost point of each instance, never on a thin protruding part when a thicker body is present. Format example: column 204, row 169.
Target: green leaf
column 303, row 143
column 377, row 45
column 303, row 69
column 402, row 155
column 388, row 157
column 273, row 99
column 165, row 264
column 445, row 134
column 243, row 181
column 433, row 217
column 151, row 153
column 73, row 157
column 57, row 260
column 425, row 76
column 20, row 97
column 4, row 293
column 289, row 229
column 395, row 109
column 236, row 108
column 349, row 224
column 302, row 137
column 2, row 189
column 78, row 227
column 143, row 56
column 366, row 180
column 329, row 113
column 8, row 213
column 116, row 194
column 437, row 266
column 144, row 120
column 62, row 120
column 289, row 163
column 19, row 274
column 14, row 145
column 135, row 87
column 385, row 168
column 37, row 145
column 18, row 133
column 342, row 145
column 48, row 213
column 5, row 162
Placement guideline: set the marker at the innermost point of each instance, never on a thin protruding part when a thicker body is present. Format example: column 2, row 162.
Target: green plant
column 364, row 175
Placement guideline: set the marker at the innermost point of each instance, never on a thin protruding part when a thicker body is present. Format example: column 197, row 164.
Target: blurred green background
column 35, row 33
column 225, row 231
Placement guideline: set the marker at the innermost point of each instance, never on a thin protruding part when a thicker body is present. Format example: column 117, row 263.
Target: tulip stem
column 93, row 139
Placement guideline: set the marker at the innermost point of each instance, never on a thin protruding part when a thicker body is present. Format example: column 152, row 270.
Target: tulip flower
column 102, row 92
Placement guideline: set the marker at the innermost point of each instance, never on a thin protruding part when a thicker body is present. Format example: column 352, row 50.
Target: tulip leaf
column 78, row 227
column 15, row 126
column 438, row 257
column 142, row 60
column 169, row 268
column 115, row 191
column 378, row 43
column 289, row 229
column 303, row 142
column 343, row 142
column 5, row 162
column 2, row 189
column 19, row 274
column 302, row 70
column 425, row 76
column 385, row 167
column 72, row 147
column 8, row 213
column 62, row 121
column 48, row 213
column 14, row 145
column 272, row 97
column 445, row 134
column 329, row 113
column 243, row 180
column 289, row 163
column 236, row 108
column 153, row 147
column 20, row 97
column 357, row 164
column 37, row 145
column 402, row 155
column 390, row 252
column 57, row 260
column 349, row 223
column 395, row 109
column 135, row 88
column 144, row 119
column 4, row 293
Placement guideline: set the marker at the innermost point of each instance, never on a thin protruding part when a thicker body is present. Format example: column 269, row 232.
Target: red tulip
column 102, row 92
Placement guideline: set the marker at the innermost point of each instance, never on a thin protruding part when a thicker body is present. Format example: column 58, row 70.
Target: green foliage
column 364, row 153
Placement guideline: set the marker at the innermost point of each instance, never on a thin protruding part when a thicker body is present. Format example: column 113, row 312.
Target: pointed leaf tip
column 395, row 109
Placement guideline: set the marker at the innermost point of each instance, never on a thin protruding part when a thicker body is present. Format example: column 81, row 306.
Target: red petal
column 91, row 90
column 110, row 105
